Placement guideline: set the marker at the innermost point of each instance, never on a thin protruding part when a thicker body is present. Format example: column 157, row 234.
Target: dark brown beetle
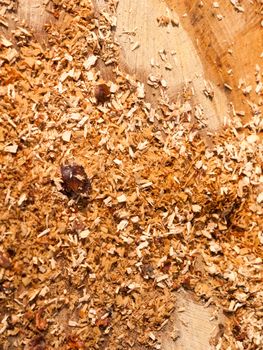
column 102, row 93
column 75, row 180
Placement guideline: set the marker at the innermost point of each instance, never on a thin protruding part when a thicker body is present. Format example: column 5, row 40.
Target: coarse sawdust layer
column 101, row 271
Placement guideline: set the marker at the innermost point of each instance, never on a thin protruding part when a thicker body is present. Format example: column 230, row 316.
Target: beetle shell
column 75, row 180
column 102, row 93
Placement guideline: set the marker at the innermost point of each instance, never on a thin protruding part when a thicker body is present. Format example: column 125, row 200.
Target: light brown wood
column 192, row 49
column 229, row 48
column 34, row 14
column 192, row 325
column 140, row 19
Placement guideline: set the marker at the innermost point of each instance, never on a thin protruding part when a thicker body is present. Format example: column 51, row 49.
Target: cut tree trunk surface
column 192, row 325
column 229, row 43
column 197, row 51
column 165, row 52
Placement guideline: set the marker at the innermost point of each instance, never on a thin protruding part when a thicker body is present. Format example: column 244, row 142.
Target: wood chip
column 66, row 136
column 122, row 198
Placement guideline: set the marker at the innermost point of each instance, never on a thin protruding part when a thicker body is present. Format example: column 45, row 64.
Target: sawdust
column 108, row 205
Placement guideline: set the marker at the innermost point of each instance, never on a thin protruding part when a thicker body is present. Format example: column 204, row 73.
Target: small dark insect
column 75, row 180
column 102, row 93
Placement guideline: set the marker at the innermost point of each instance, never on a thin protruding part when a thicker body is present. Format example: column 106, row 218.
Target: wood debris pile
column 101, row 271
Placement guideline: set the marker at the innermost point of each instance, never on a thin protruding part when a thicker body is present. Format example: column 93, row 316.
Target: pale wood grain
column 140, row 17
column 33, row 13
column 229, row 48
column 193, row 326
